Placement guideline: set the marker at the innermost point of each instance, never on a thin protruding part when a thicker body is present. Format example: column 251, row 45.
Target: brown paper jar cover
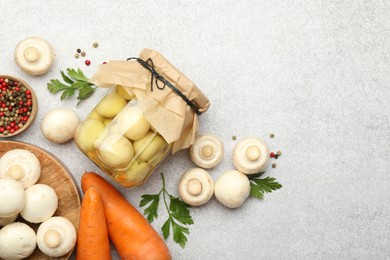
column 165, row 110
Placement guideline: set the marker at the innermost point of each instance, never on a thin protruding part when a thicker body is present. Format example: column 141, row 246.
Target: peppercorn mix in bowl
column 18, row 106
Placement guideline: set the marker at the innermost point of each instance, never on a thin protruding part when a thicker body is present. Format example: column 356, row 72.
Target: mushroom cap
column 12, row 197
column 41, row 203
column 34, row 55
column 59, row 125
column 20, row 165
column 17, row 241
column 196, row 187
column 56, row 236
column 207, row 151
column 232, row 188
column 250, row 155
column 8, row 220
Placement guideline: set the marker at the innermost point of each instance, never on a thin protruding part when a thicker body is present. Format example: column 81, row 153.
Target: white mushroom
column 232, row 188
column 41, row 203
column 196, row 187
column 34, row 55
column 250, row 155
column 8, row 220
column 12, row 197
column 20, row 165
column 59, row 125
column 17, row 241
column 56, row 236
column 207, row 151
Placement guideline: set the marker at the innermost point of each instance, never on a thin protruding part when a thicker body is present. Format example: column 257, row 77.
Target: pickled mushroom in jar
column 111, row 105
column 136, row 173
column 116, row 151
column 128, row 95
column 132, row 122
column 95, row 115
column 149, row 146
column 88, row 132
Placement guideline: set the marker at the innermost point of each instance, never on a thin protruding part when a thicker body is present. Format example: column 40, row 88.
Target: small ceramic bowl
column 4, row 99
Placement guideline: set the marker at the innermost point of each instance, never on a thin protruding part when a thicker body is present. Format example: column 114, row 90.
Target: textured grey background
column 315, row 73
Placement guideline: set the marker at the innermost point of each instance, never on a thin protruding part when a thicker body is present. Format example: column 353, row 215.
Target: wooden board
column 54, row 174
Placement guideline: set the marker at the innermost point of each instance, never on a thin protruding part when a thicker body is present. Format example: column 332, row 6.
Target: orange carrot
column 92, row 237
column 129, row 231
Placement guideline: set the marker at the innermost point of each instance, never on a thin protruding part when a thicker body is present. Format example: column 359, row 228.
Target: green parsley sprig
column 75, row 81
column 261, row 186
column 178, row 214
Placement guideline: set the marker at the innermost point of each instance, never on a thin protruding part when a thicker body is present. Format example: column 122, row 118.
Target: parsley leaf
column 179, row 214
column 151, row 210
column 76, row 81
column 260, row 186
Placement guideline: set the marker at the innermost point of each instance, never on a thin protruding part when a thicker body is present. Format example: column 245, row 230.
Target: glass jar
column 118, row 138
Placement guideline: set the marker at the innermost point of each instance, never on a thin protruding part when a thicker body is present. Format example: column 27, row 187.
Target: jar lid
column 166, row 109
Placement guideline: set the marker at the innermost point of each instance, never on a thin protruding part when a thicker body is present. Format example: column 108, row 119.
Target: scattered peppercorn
column 234, row 137
column 87, row 62
column 272, row 154
column 82, row 54
column 279, row 153
column 95, row 44
column 271, row 135
column 274, row 165
column 104, row 62
column 76, row 55
column 15, row 106
column 78, row 50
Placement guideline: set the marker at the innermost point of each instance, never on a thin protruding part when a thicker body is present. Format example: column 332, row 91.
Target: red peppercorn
column 2, row 129
column 104, row 62
column 4, row 85
column 3, row 105
column 1, row 80
column 16, row 83
column 17, row 89
column 28, row 92
column 272, row 154
column 87, row 62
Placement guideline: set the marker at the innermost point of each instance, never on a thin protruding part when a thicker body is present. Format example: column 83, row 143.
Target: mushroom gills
column 207, row 151
column 250, row 155
column 56, row 236
column 196, row 187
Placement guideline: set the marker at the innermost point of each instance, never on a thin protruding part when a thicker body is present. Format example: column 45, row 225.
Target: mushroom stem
column 31, row 54
column 253, row 152
column 52, row 238
column 207, row 151
column 194, row 186
column 15, row 172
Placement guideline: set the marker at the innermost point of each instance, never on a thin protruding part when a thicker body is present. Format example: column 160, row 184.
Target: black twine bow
column 156, row 77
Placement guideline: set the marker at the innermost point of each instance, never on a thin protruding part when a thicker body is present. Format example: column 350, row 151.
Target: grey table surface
column 314, row 73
